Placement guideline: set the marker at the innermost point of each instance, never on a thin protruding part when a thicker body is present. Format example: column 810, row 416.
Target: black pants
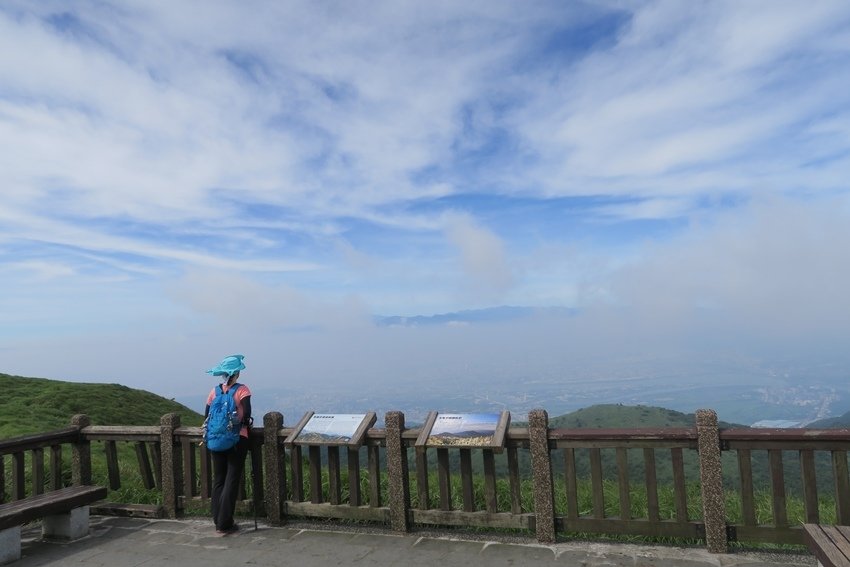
column 227, row 472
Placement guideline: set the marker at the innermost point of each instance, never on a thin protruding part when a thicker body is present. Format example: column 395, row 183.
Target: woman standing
column 228, row 464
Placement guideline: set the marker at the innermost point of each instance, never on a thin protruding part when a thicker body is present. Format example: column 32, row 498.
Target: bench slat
column 839, row 537
column 49, row 503
column 829, row 544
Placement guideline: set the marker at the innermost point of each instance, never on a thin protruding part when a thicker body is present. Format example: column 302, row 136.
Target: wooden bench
column 65, row 515
column 830, row 544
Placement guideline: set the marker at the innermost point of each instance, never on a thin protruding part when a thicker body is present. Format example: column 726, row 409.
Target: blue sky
column 184, row 180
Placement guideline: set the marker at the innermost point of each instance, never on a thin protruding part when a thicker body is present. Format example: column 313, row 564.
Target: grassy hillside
column 617, row 416
column 33, row 405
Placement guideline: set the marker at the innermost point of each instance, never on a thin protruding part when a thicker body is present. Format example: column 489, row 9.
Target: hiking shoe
column 227, row 531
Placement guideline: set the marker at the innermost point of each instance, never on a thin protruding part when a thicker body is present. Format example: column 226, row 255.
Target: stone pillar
column 711, row 478
column 274, row 458
column 81, row 453
column 171, row 464
column 541, row 472
column 399, row 490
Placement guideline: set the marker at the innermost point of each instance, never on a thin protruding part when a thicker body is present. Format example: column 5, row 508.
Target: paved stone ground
column 131, row 542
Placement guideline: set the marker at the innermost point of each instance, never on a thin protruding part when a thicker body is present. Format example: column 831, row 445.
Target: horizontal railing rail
column 38, row 440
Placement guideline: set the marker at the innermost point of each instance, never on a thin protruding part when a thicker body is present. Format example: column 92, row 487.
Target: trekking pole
column 254, row 484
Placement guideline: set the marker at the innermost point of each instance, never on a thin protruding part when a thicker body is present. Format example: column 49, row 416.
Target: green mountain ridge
column 623, row 417
column 35, row 405
column 839, row 422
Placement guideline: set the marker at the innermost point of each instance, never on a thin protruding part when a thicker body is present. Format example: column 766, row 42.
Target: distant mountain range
column 36, row 404
column 488, row 315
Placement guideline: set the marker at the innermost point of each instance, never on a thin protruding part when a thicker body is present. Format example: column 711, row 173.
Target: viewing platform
column 126, row 542
column 702, row 492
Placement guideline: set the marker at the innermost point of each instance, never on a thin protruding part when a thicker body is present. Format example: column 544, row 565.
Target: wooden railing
column 641, row 443
column 779, row 445
column 532, row 483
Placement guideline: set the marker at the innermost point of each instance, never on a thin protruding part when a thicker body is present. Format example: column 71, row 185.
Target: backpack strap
column 233, row 391
column 230, row 391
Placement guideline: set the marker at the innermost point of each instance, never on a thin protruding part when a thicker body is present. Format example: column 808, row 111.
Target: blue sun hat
column 228, row 366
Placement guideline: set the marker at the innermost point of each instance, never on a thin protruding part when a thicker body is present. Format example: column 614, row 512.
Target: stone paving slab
column 133, row 542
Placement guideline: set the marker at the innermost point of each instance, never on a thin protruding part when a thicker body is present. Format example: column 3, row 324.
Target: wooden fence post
column 81, row 453
column 274, row 457
column 711, row 479
column 541, row 472
column 399, row 491
column 171, row 464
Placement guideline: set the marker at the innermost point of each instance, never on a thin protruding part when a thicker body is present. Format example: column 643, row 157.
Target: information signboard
column 465, row 430
column 332, row 429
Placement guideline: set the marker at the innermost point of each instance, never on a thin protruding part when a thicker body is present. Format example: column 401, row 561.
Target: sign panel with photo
column 333, row 429
column 466, row 430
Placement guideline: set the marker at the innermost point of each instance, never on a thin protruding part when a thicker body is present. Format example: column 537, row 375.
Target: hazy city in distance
column 753, row 394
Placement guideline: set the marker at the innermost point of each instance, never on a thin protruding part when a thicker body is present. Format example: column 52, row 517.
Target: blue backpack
column 222, row 426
